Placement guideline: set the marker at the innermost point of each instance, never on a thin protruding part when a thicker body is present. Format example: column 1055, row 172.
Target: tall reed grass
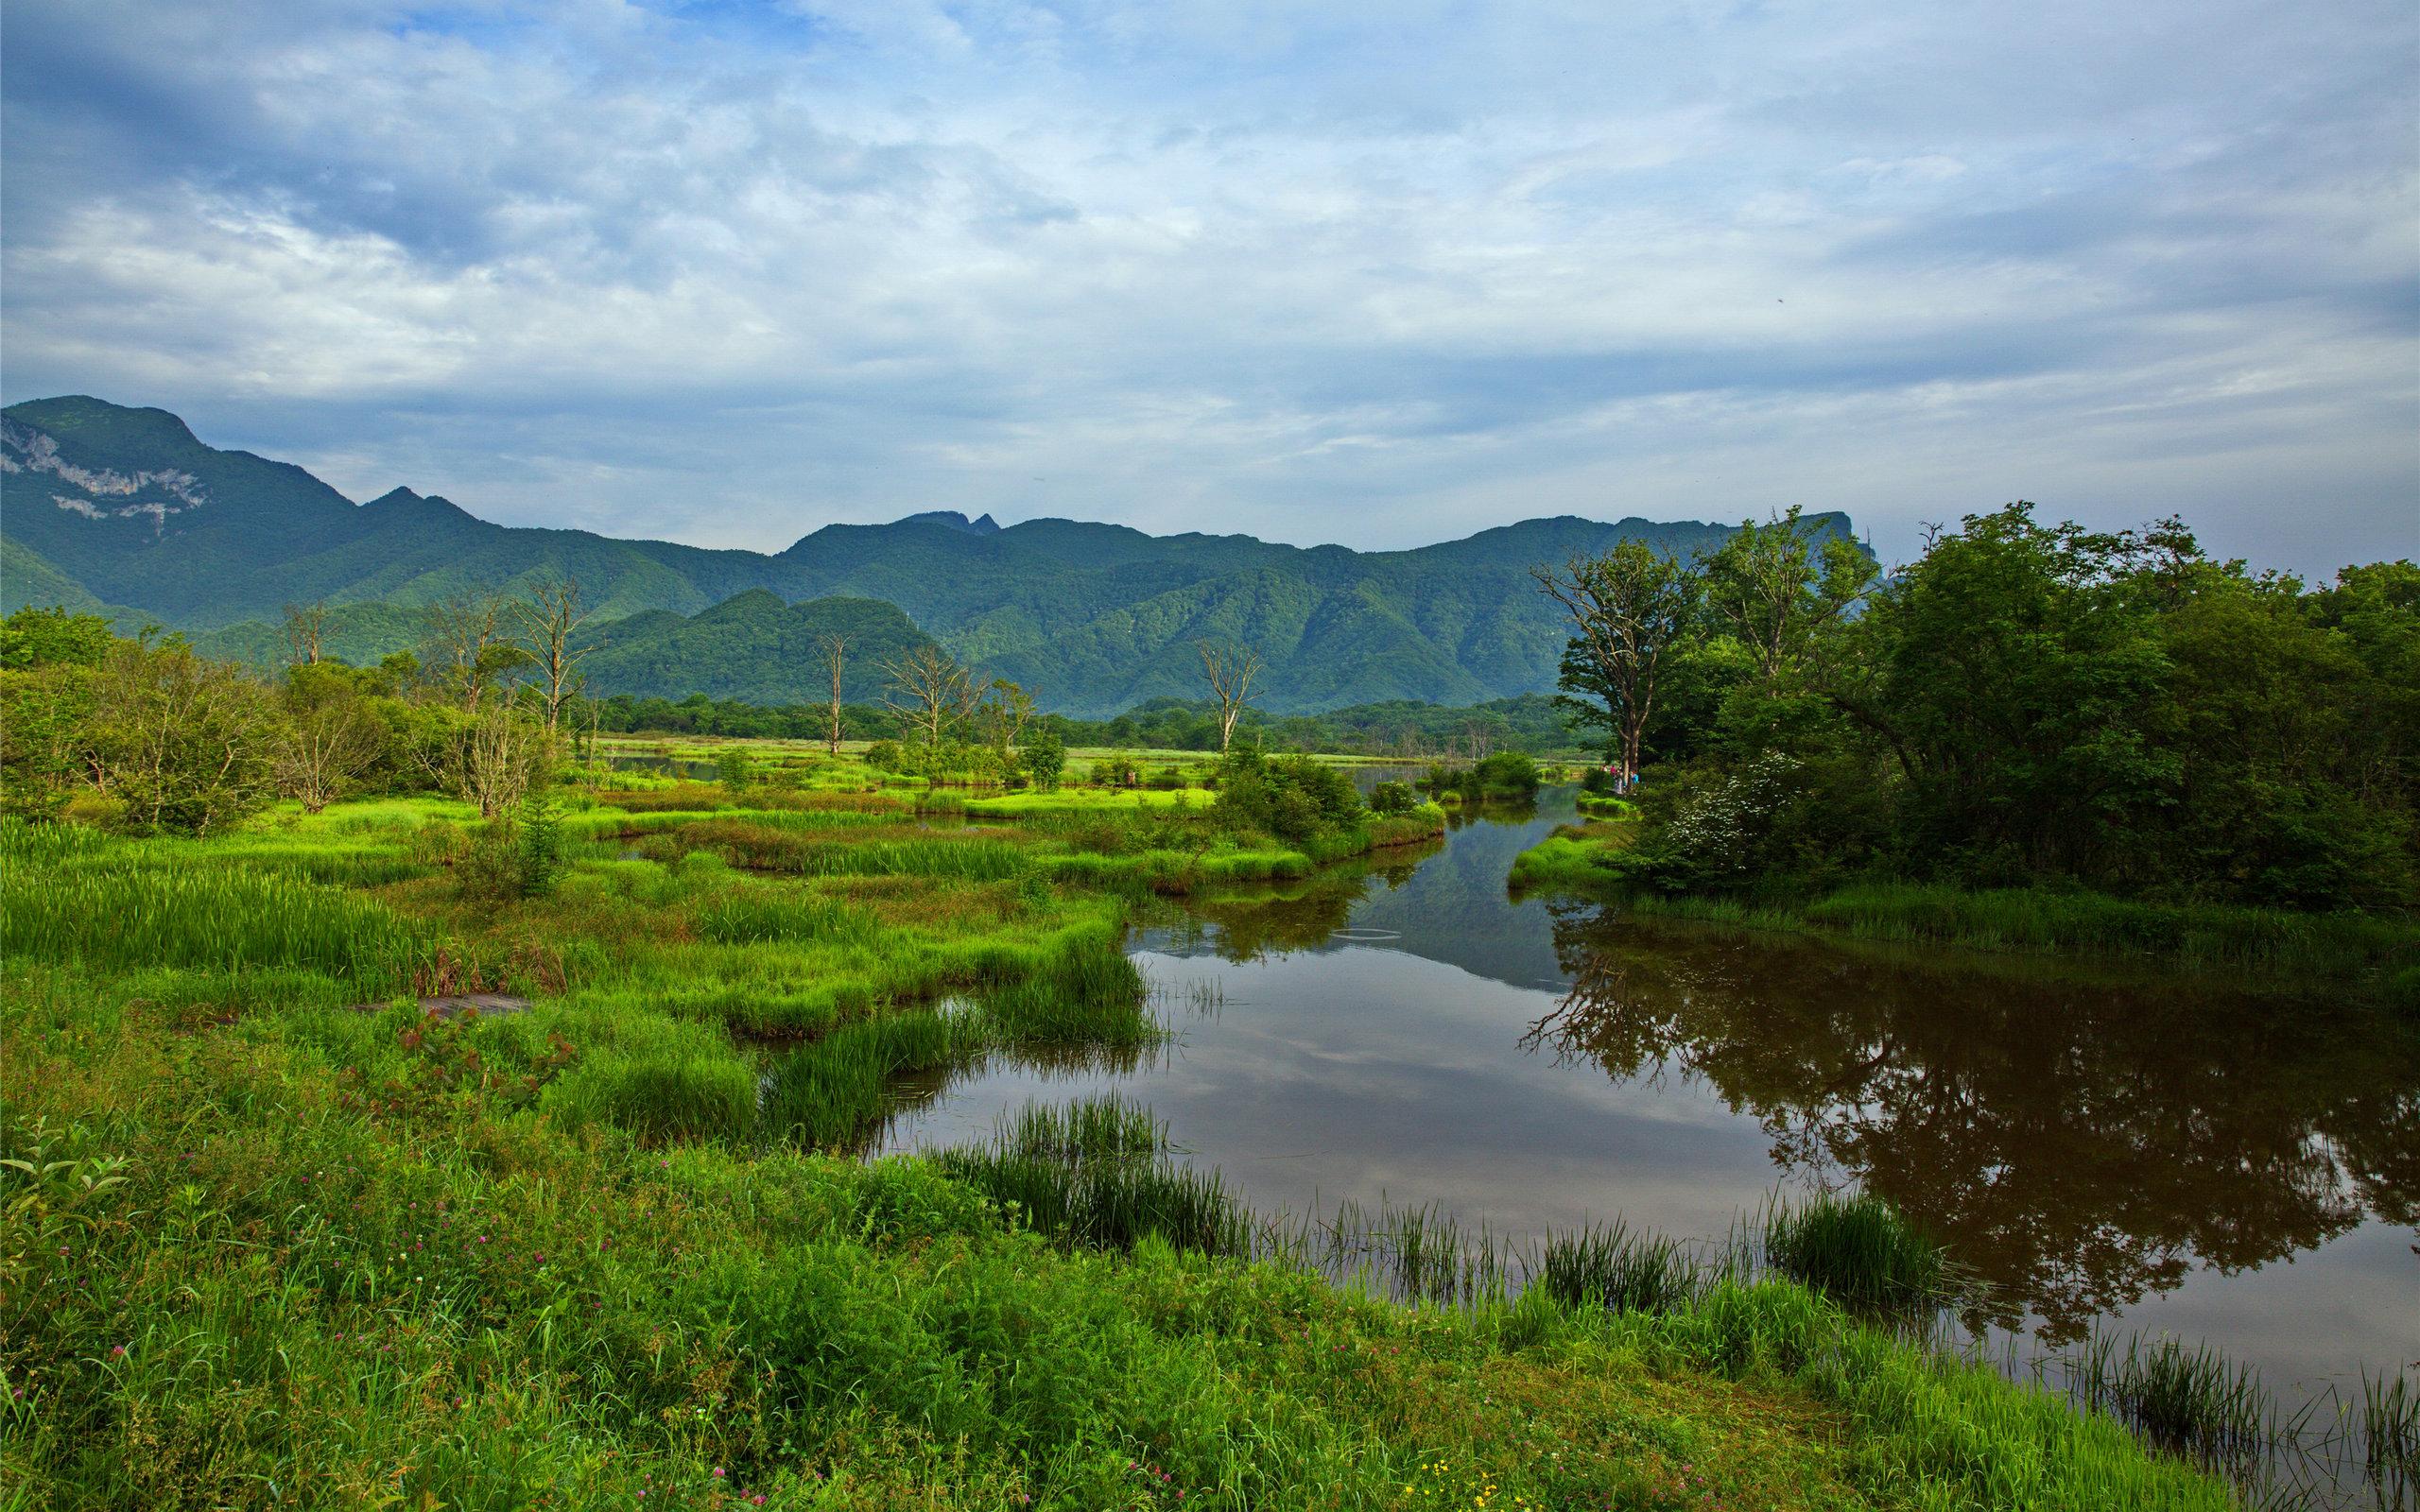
column 2032, row 918
column 831, row 1093
column 1861, row 1252
column 2187, row 1398
column 103, row 911
column 1611, row 1268
column 1096, row 1175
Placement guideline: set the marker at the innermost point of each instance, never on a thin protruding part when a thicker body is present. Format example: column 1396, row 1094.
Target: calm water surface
column 2147, row 1152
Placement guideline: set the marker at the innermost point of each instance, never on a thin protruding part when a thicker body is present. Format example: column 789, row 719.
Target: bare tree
column 504, row 755
column 548, row 617
column 1627, row 609
column 929, row 689
column 1001, row 711
column 836, row 651
column 321, row 748
column 490, row 759
column 467, row 645
column 306, row 626
column 1230, row 672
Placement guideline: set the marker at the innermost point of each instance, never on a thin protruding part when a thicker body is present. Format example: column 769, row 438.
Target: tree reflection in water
column 2076, row 1143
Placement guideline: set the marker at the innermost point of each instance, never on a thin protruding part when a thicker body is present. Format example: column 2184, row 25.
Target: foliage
column 1043, row 759
column 176, row 742
column 264, row 1248
column 1392, row 797
column 1861, row 1252
column 2041, row 704
column 1293, row 797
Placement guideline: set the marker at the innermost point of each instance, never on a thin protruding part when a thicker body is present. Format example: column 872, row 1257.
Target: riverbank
column 2381, row 956
column 276, row 1246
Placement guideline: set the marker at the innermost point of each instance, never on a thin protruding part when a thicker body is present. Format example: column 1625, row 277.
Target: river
column 2107, row 1149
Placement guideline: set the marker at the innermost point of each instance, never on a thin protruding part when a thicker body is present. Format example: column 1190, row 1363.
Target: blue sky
column 1372, row 274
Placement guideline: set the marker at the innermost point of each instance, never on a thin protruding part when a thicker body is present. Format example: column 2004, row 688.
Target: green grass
column 2027, row 918
column 264, row 1251
column 1858, row 1250
column 2185, row 1400
column 133, row 908
column 2391, row 1432
column 2377, row 950
column 1610, row 1266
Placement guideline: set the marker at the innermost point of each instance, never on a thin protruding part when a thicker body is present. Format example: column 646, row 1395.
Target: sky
column 1327, row 271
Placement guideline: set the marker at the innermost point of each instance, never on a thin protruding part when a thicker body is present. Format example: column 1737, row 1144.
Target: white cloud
column 1374, row 276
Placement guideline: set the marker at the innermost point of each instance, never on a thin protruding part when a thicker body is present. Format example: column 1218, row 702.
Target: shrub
column 1045, row 759
column 1393, row 798
column 1294, row 797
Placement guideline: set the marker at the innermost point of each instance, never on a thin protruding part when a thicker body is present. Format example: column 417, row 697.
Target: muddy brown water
column 2109, row 1149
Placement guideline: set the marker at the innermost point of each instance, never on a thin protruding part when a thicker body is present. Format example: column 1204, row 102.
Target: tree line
column 153, row 737
column 2025, row 703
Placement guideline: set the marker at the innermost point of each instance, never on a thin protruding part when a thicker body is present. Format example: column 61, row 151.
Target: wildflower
column 717, row 1472
column 117, row 1352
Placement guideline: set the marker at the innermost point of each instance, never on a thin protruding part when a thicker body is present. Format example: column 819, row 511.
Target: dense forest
column 2026, row 703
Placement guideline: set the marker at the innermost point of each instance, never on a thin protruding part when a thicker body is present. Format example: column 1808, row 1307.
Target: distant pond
column 2107, row 1150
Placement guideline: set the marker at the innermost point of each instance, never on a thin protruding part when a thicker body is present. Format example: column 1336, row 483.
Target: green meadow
column 277, row 1238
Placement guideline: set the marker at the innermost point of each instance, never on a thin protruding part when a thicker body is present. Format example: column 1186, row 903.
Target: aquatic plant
column 1096, row 1174
column 2187, row 1398
column 1860, row 1251
column 2390, row 1430
column 1611, row 1268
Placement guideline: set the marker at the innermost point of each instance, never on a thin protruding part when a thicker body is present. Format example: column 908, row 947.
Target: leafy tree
column 1293, row 797
column 1776, row 587
column 467, row 647
column 329, row 738
column 1000, row 713
column 2014, row 684
column 1045, row 759
column 1627, row 610
column 46, row 720
column 183, row 743
column 52, row 637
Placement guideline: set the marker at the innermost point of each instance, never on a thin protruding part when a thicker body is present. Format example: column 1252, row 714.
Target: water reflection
column 2078, row 1144
column 2112, row 1146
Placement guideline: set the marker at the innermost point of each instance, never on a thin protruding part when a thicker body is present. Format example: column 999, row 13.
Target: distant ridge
column 980, row 525
column 107, row 506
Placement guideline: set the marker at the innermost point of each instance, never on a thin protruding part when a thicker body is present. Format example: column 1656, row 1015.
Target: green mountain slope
column 126, row 507
column 754, row 648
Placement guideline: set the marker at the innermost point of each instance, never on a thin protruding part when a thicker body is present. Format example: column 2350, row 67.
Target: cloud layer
column 1379, row 275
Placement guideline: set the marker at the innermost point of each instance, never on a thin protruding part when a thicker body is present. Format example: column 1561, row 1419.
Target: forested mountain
column 125, row 508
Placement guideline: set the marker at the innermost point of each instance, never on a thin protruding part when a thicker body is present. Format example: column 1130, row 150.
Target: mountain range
column 125, row 511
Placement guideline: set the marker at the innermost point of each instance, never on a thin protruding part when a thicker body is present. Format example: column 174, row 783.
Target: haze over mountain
column 126, row 509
